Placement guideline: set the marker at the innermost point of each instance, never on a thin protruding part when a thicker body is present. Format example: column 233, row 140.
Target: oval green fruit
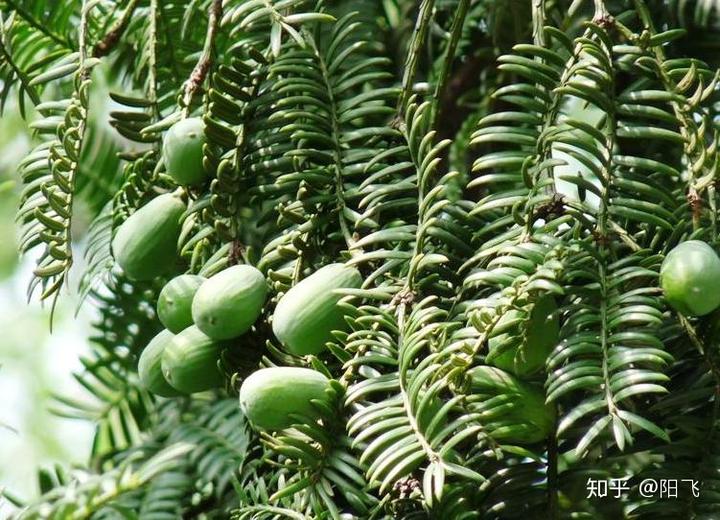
column 174, row 305
column 227, row 304
column 150, row 365
column 269, row 396
column 189, row 362
column 690, row 278
column 306, row 316
column 183, row 151
column 525, row 352
column 145, row 245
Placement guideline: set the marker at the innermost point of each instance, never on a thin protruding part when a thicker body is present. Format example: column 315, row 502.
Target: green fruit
column 227, row 304
column 526, row 354
column 306, row 316
column 145, row 245
column 150, row 365
column 513, row 411
column 174, row 305
column 189, row 362
column 269, row 396
column 183, row 151
column 690, row 278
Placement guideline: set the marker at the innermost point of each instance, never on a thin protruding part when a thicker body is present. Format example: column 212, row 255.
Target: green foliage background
column 470, row 157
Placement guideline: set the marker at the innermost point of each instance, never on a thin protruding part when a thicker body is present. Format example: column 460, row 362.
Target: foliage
column 469, row 157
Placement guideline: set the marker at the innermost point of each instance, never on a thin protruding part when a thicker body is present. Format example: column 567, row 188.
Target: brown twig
column 199, row 73
column 111, row 39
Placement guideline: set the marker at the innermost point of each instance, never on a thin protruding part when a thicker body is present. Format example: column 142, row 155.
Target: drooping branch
column 35, row 24
column 6, row 56
column 694, row 147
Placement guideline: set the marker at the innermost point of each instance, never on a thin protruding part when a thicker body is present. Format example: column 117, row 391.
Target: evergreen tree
column 507, row 176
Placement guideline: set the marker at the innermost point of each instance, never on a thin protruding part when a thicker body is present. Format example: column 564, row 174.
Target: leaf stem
column 337, row 147
column 455, row 33
column 152, row 58
column 686, row 122
column 418, row 39
column 553, row 484
column 538, row 22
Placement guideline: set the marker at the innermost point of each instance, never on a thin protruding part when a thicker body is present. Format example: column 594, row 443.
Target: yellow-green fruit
column 306, row 316
column 190, row 362
column 227, row 304
column 145, row 245
column 269, row 396
column 690, row 278
column 174, row 305
column 183, row 151
column 150, row 365
column 514, row 411
column 526, row 354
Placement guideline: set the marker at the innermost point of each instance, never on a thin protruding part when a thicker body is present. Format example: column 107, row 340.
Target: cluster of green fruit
column 201, row 315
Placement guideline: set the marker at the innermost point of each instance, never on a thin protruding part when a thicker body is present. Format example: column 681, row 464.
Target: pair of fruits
column 223, row 306
column 185, row 363
column 304, row 320
column 145, row 244
column 199, row 314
